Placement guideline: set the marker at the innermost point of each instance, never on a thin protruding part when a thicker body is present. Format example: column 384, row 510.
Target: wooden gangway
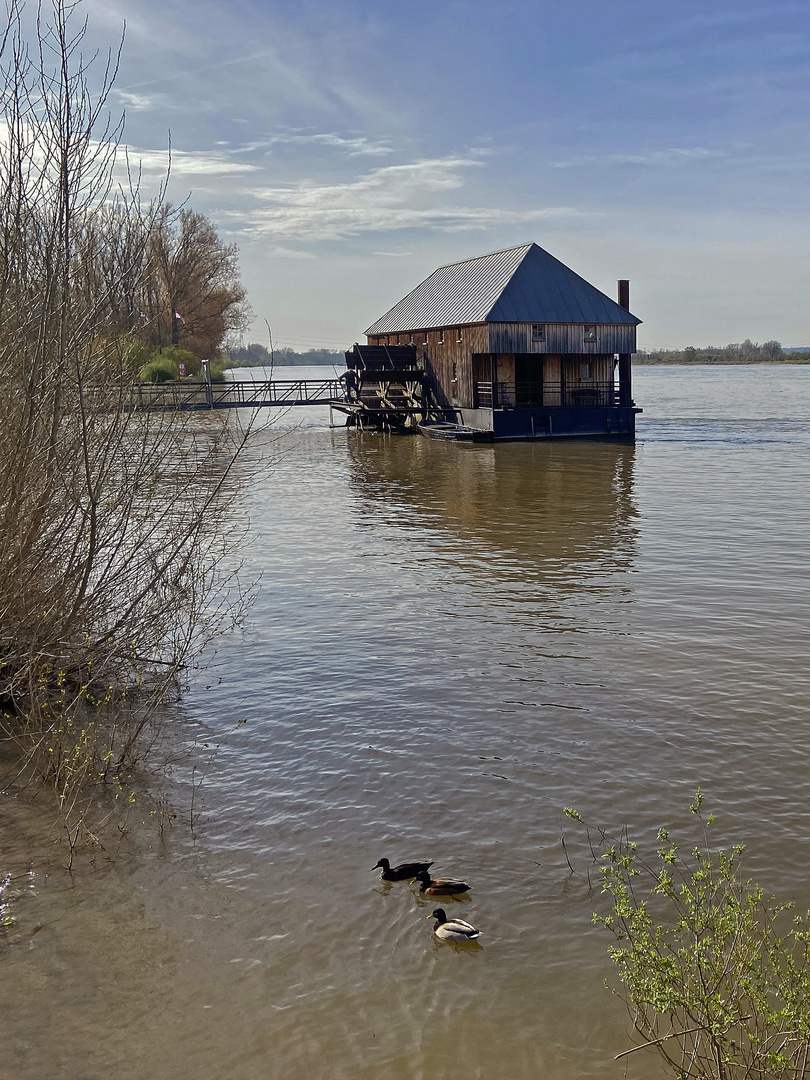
column 189, row 394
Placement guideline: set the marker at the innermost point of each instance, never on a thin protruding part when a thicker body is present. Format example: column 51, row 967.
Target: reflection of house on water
column 556, row 515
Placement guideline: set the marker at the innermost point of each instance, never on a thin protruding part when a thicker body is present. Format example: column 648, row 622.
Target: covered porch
column 528, row 380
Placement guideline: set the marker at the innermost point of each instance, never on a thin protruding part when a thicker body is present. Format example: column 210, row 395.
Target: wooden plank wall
column 441, row 354
column 601, row 370
column 561, row 338
column 548, row 368
column 441, row 349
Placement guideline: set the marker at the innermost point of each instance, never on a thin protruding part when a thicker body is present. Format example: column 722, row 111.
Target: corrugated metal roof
column 523, row 284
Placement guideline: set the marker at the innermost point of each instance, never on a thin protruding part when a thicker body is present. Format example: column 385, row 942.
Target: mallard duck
column 440, row 886
column 402, row 872
column 452, row 929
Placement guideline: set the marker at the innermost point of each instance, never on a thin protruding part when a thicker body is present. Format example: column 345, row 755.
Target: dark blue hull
column 554, row 422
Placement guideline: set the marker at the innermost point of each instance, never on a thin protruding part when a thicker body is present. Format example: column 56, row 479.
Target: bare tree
column 113, row 522
column 197, row 279
column 173, row 282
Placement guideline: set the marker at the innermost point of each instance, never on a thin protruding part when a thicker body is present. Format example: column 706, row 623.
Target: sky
column 349, row 148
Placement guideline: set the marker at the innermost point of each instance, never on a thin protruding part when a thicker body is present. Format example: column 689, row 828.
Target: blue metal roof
column 524, row 284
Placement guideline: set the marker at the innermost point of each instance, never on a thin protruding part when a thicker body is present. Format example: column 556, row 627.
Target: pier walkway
column 190, row 394
column 382, row 404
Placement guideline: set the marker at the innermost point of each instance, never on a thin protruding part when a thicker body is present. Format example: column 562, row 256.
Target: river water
column 448, row 645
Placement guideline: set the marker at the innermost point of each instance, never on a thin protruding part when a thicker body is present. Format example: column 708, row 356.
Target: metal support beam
column 625, row 366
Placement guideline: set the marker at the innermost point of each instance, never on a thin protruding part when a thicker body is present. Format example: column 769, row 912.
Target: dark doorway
column 528, row 379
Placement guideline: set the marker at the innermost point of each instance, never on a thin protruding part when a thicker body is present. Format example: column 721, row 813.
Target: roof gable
column 543, row 289
column 523, row 284
column 453, row 295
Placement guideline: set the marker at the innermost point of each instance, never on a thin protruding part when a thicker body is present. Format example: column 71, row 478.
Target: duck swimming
column 441, row 886
column 452, row 929
column 403, row 872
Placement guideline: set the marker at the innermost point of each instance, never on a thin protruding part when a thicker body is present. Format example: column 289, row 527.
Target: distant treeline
column 746, row 352
column 259, row 356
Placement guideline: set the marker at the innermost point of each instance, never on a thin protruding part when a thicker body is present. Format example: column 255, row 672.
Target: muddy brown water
column 448, row 645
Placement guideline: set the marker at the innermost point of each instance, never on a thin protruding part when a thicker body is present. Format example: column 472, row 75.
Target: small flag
column 177, row 315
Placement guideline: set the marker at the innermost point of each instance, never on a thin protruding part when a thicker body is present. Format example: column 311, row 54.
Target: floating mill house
column 510, row 345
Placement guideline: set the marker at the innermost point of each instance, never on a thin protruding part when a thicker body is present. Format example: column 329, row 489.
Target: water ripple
column 449, row 645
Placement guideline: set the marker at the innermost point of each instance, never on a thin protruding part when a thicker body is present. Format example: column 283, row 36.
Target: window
column 441, row 337
column 399, row 339
column 584, row 371
column 538, row 331
column 590, row 333
column 410, row 339
column 459, row 334
column 455, row 371
column 424, row 337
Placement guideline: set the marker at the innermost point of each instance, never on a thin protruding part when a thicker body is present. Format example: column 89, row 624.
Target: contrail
column 199, row 71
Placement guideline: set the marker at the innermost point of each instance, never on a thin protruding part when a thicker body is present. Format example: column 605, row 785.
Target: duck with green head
column 452, row 929
column 403, row 872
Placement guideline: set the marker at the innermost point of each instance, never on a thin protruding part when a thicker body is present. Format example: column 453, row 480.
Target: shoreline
column 722, row 363
column 803, row 361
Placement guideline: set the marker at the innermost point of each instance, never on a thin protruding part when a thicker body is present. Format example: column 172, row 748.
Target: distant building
column 518, row 345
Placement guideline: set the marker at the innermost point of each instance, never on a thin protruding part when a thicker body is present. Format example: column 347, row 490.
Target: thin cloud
column 354, row 145
column 388, row 185
column 671, row 155
column 388, row 198
column 668, row 156
column 341, row 224
column 137, row 102
column 278, row 251
column 185, row 163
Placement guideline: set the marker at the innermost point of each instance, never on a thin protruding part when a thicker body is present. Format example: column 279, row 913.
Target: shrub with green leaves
column 165, row 366
column 159, row 369
column 714, row 972
column 178, row 355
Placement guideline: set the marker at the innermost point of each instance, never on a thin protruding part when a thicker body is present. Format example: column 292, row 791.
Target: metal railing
column 191, row 394
column 282, row 393
column 511, row 395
